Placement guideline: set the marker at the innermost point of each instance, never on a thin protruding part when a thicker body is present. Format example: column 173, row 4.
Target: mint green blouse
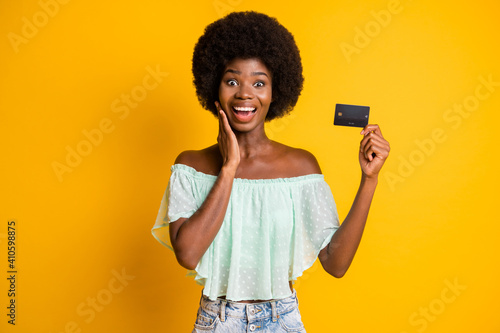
column 272, row 232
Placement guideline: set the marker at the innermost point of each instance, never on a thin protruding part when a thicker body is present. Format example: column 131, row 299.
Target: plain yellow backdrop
column 96, row 101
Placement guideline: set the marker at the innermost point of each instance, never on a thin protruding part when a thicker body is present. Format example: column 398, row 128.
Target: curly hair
column 248, row 35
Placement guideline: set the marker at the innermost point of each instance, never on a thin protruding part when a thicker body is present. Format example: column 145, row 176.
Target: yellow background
column 433, row 221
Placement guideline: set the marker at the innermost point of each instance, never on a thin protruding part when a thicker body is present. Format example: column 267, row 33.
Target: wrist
column 370, row 181
column 228, row 170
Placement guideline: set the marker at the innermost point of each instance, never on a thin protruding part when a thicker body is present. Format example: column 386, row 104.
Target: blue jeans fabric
column 221, row 316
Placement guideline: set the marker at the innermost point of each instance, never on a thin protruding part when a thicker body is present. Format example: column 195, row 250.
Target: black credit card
column 351, row 115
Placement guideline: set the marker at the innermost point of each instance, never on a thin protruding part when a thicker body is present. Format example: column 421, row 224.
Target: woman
column 249, row 214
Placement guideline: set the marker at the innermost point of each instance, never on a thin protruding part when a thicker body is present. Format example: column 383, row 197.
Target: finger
column 372, row 128
column 225, row 122
column 221, row 125
column 220, row 113
column 373, row 131
column 377, row 152
column 367, row 147
column 368, row 152
column 380, row 151
column 372, row 138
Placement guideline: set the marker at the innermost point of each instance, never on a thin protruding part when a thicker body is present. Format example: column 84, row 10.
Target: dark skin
column 244, row 151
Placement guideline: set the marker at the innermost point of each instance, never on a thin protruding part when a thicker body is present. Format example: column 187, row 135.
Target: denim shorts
column 281, row 315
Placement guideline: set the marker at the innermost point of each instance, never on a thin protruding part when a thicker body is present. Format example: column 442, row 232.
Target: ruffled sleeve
column 316, row 220
column 179, row 200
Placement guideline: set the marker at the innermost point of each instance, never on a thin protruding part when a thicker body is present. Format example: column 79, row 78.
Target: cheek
column 222, row 94
column 266, row 97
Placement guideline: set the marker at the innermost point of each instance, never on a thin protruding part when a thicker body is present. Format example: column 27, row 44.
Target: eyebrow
column 239, row 73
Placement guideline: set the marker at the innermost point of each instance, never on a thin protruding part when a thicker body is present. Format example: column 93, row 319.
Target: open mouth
column 244, row 113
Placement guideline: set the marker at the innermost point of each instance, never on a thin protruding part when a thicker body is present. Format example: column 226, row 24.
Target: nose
column 244, row 92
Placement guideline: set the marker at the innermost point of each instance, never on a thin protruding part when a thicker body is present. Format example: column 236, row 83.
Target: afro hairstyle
column 248, row 35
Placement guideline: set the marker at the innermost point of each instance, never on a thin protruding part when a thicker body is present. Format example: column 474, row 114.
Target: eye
column 232, row 82
column 259, row 84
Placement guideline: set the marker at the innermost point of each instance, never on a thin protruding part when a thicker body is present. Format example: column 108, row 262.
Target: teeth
column 244, row 109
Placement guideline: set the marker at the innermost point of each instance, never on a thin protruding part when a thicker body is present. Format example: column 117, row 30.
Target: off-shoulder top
column 272, row 232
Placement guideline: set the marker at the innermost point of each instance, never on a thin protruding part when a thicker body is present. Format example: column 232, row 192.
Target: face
column 245, row 93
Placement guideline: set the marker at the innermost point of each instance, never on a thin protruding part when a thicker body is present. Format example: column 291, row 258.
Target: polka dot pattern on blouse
column 272, row 232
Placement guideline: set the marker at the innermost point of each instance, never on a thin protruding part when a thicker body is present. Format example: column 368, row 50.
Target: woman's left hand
column 373, row 152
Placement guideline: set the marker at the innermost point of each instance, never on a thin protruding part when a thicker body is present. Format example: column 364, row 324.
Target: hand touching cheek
column 228, row 144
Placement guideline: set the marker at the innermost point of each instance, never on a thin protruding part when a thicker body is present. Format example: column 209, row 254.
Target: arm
column 191, row 237
column 337, row 256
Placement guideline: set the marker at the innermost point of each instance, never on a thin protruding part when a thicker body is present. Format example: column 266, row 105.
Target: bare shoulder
column 300, row 161
column 206, row 160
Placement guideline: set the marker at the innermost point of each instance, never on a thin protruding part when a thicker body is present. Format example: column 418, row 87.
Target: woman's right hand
column 191, row 237
column 228, row 144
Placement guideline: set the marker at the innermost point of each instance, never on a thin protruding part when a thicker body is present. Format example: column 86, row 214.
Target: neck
column 252, row 143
